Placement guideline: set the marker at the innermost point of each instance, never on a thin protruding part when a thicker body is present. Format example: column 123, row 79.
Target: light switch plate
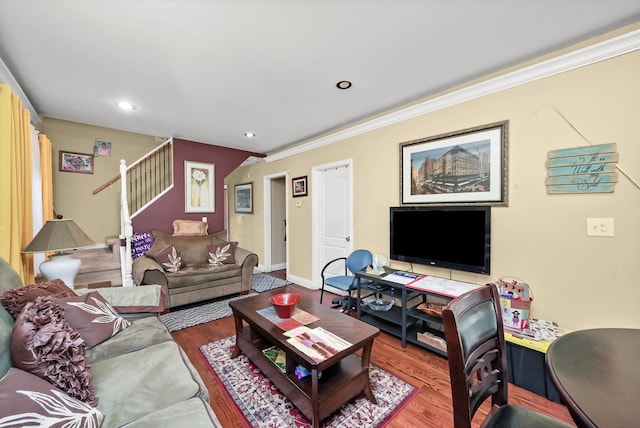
column 600, row 227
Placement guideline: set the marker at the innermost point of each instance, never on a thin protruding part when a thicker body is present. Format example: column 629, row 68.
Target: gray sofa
column 196, row 280
column 141, row 377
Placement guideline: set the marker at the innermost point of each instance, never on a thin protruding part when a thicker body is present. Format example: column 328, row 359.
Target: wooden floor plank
column 430, row 407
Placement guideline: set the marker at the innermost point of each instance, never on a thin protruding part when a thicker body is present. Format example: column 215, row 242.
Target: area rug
column 264, row 282
column 262, row 404
column 189, row 317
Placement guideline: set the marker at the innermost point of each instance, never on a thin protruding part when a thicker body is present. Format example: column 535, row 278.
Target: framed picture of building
column 462, row 167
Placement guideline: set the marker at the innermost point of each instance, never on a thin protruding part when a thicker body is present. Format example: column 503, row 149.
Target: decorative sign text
column 590, row 169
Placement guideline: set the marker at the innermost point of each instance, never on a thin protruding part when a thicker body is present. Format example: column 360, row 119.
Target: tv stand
column 403, row 320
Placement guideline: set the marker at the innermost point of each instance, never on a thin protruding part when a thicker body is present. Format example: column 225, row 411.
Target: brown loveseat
column 197, row 279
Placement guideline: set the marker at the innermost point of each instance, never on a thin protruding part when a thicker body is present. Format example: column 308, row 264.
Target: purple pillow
column 140, row 244
column 43, row 343
column 92, row 317
column 15, row 299
column 28, row 400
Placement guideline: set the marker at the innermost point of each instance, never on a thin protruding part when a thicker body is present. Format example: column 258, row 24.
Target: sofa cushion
column 132, row 300
column 43, row 343
column 28, row 400
column 16, row 298
column 222, row 252
column 192, row 249
column 92, row 317
column 202, row 273
column 194, row 412
column 142, row 333
column 139, row 383
column 189, row 228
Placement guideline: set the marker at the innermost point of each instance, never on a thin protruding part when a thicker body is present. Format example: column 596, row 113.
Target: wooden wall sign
column 590, row 169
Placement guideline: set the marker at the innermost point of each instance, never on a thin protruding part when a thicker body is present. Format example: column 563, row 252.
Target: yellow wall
column 578, row 281
column 98, row 215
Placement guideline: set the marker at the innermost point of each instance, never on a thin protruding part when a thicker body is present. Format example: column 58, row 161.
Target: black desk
column 597, row 373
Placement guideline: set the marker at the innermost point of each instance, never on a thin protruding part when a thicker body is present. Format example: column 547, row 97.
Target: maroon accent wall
column 160, row 214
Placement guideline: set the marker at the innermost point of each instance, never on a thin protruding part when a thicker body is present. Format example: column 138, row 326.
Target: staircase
column 100, row 265
column 142, row 182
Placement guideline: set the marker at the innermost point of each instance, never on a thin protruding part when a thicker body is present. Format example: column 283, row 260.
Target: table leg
column 314, row 398
column 366, row 358
column 238, row 322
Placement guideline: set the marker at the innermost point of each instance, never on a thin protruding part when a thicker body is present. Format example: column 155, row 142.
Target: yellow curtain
column 16, row 224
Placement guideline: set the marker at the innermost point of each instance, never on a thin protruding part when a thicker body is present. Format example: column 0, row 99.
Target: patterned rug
column 188, row 317
column 262, row 404
column 264, row 282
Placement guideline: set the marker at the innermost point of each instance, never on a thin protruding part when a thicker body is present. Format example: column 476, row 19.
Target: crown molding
column 7, row 77
column 611, row 48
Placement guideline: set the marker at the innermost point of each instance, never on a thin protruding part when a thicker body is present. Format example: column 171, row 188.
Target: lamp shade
column 58, row 235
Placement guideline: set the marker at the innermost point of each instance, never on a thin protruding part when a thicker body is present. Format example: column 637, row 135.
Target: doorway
column 276, row 248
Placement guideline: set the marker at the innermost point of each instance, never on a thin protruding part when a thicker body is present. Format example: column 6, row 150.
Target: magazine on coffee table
column 317, row 343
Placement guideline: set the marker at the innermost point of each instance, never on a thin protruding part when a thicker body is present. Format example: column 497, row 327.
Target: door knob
column 348, row 238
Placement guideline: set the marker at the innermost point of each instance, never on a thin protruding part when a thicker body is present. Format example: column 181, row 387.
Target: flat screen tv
column 454, row 237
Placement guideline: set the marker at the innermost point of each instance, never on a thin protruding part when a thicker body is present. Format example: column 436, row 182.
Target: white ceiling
column 209, row 71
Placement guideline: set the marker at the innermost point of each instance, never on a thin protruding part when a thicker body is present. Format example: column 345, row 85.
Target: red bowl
column 285, row 303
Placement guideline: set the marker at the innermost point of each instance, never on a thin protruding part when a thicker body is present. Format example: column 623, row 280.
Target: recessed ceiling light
column 125, row 105
column 343, row 84
column 249, row 134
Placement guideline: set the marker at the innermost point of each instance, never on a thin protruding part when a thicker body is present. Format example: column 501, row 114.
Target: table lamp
column 59, row 235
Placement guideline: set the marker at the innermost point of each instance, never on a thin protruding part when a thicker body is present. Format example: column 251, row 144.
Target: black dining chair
column 476, row 350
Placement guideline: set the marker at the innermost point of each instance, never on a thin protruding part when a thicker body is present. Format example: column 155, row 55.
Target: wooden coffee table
column 344, row 375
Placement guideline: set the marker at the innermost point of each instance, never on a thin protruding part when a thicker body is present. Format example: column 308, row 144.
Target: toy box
column 515, row 304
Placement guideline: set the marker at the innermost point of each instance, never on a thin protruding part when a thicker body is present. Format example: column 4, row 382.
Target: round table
column 597, row 373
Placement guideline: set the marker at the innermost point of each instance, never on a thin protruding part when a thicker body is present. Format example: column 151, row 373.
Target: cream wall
column 98, row 215
column 577, row 281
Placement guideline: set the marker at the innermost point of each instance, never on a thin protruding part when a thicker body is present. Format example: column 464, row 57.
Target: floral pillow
column 28, row 400
column 92, row 317
column 15, row 299
column 43, row 343
column 222, row 252
column 167, row 257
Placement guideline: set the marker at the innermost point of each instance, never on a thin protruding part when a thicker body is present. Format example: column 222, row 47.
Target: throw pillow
column 140, row 244
column 189, row 228
column 43, row 343
column 166, row 256
column 92, row 317
column 28, row 400
column 15, row 299
column 222, row 252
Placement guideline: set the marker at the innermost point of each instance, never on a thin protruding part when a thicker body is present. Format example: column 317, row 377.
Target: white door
column 333, row 220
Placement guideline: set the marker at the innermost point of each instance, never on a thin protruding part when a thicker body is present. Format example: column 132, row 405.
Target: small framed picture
column 102, row 148
column 244, row 198
column 76, row 162
column 299, row 186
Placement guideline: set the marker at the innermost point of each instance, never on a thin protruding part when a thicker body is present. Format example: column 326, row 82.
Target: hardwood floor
column 428, row 372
